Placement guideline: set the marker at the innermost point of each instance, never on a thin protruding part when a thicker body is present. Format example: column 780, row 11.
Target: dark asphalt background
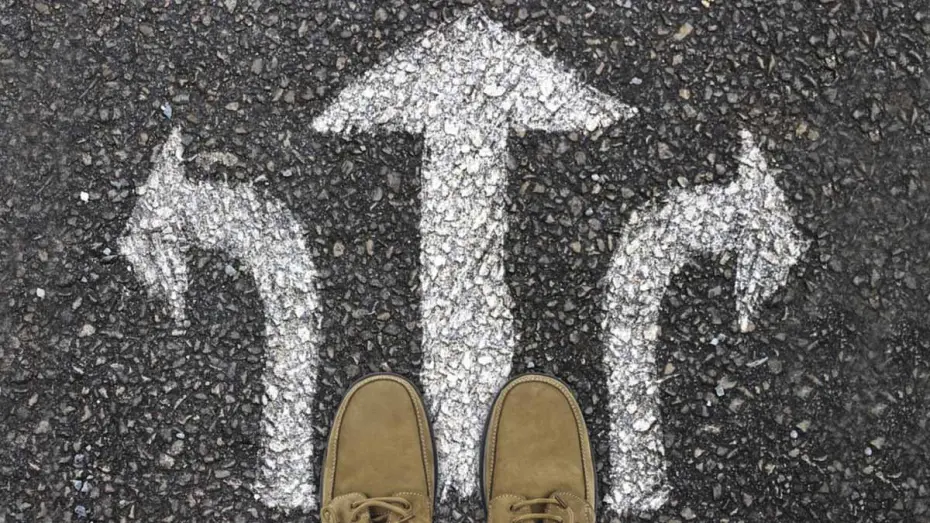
column 107, row 415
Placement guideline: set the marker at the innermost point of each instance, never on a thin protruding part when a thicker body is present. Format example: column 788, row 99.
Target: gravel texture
column 111, row 410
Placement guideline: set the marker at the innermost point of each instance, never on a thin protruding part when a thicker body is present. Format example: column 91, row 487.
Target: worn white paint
column 463, row 86
column 173, row 214
column 749, row 217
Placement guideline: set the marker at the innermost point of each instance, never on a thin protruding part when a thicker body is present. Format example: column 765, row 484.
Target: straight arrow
column 463, row 87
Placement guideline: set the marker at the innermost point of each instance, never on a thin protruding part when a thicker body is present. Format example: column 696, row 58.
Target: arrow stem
column 649, row 253
column 468, row 335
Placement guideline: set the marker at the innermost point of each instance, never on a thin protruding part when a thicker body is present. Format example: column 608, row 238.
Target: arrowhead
column 152, row 241
column 476, row 72
column 771, row 242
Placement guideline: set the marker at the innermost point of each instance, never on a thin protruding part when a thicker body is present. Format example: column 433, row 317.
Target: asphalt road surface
column 709, row 218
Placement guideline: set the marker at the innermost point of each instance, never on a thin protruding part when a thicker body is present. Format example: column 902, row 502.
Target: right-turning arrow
column 749, row 217
column 463, row 86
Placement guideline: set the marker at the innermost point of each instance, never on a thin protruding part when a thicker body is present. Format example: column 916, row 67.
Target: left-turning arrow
column 172, row 214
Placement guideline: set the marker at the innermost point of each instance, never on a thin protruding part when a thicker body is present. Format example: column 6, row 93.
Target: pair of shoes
column 536, row 464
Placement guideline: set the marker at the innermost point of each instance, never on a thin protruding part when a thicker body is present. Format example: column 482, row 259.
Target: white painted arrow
column 462, row 86
column 172, row 214
column 750, row 217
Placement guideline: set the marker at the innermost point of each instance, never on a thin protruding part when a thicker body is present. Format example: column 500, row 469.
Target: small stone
column 775, row 366
column 591, row 124
column 43, row 427
column 176, row 448
column 726, row 383
column 40, row 292
column 165, row 461
column 665, row 152
column 84, row 196
column 494, row 91
column 87, row 330
column 683, row 31
column 642, row 424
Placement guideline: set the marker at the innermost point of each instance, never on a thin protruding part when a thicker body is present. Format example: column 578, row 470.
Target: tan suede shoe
column 379, row 464
column 537, row 461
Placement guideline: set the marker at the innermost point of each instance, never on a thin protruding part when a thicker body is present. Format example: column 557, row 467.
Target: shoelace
column 542, row 515
column 395, row 505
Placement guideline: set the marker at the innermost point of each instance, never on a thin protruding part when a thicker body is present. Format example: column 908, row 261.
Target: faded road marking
column 463, row 86
column 748, row 216
column 172, row 214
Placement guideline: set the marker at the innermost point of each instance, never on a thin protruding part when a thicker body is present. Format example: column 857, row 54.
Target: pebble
column 87, row 330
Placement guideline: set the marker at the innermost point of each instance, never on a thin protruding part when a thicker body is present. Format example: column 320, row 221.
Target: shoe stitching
column 579, row 426
column 417, row 404
column 333, row 449
column 350, row 494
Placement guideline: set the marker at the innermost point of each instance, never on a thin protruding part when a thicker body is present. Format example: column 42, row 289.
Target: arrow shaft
column 468, row 334
column 650, row 252
column 265, row 237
